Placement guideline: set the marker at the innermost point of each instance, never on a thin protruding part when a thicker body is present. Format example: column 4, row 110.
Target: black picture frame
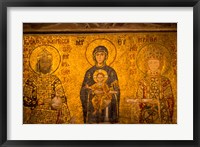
column 4, row 4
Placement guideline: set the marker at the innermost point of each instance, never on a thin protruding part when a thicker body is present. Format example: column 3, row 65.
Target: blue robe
column 86, row 97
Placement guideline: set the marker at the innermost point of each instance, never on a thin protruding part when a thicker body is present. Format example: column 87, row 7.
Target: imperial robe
column 39, row 92
column 156, row 100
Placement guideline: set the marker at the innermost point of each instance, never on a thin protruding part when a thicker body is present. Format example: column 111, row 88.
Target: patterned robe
column 99, row 100
column 156, row 100
column 86, row 97
column 38, row 94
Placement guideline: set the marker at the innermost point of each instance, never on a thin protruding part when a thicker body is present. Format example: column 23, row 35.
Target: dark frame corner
column 103, row 3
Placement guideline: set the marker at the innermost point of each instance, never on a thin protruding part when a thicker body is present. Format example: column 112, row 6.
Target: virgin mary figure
column 110, row 113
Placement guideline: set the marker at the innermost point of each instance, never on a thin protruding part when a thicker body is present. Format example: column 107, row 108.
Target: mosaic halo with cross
column 100, row 71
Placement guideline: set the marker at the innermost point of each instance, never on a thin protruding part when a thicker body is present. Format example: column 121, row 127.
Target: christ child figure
column 102, row 93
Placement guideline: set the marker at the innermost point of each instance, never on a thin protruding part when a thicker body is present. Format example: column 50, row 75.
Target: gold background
column 72, row 49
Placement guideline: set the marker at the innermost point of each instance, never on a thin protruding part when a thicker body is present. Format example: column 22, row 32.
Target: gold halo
column 100, row 71
column 142, row 58
column 54, row 52
column 112, row 52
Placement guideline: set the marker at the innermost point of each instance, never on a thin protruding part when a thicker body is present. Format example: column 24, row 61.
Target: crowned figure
column 154, row 92
column 44, row 95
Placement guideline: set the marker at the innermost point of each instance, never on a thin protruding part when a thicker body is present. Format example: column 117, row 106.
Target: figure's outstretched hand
column 86, row 86
column 112, row 92
column 56, row 103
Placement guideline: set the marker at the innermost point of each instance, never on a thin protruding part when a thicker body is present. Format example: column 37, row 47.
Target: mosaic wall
column 144, row 65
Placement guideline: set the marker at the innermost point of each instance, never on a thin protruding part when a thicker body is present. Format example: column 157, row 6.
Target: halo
column 149, row 48
column 112, row 52
column 52, row 50
column 100, row 71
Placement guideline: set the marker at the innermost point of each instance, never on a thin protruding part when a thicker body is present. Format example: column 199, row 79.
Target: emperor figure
column 44, row 95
